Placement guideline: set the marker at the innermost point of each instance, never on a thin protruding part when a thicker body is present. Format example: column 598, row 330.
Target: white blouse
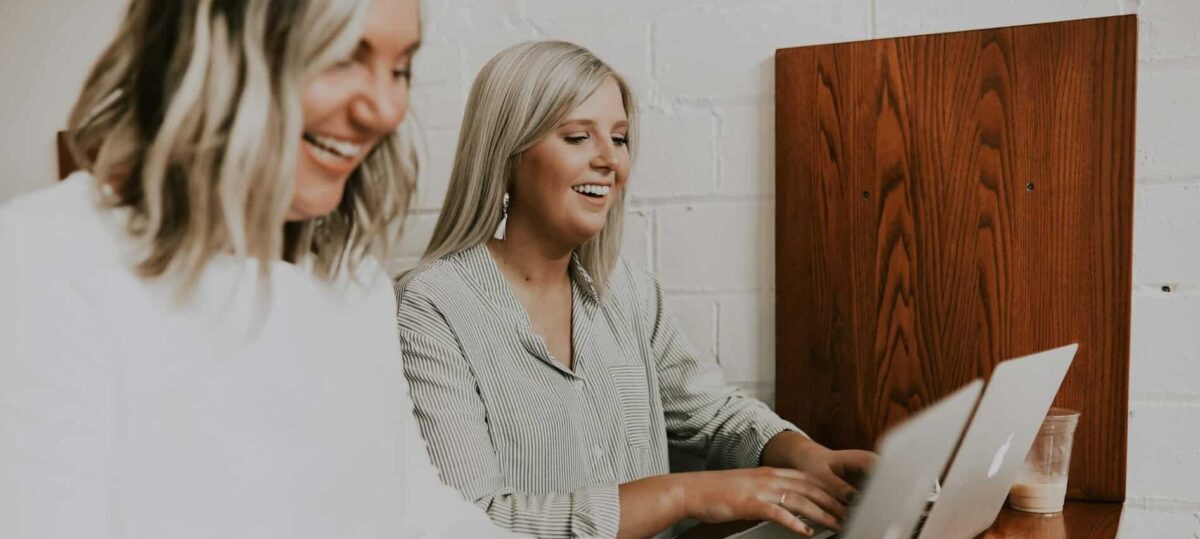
column 237, row 414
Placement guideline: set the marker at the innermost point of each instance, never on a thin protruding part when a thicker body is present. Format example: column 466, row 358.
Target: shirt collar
column 583, row 280
column 482, row 269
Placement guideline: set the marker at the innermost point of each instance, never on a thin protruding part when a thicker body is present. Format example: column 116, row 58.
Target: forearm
column 731, row 430
column 652, row 504
column 782, row 449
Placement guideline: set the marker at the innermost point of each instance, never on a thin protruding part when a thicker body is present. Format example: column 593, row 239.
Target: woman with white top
column 196, row 336
column 549, row 377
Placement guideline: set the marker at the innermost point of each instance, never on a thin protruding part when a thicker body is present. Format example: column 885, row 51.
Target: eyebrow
column 591, row 123
column 366, row 44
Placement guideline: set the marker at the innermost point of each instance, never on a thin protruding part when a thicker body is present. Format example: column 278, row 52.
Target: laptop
column 986, row 464
column 993, row 449
column 911, row 456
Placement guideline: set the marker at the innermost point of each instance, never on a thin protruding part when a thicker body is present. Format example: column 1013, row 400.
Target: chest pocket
column 630, row 382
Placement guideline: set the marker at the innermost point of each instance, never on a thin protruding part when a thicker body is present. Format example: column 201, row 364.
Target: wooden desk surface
column 1080, row 520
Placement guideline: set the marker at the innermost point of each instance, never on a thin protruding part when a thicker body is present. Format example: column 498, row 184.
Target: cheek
column 322, row 97
column 623, row 174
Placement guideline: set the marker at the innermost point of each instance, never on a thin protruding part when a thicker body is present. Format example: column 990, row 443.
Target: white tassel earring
column 502, row 228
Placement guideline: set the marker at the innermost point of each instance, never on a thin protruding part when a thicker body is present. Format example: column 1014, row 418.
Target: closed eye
column 576, row 139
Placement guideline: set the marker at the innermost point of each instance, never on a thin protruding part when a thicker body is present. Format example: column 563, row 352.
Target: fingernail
column 808, row 531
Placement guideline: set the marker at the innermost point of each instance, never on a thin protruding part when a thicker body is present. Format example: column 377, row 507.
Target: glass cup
column 1041, row 486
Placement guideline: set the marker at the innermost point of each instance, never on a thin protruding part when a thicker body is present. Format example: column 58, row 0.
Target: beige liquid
column 1038, row 494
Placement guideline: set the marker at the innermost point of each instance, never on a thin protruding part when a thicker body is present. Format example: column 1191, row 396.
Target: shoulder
column 632, row 281
column 60, row 226
column 631, row 289
column 59, row 204
column 429, row 279
column 436, row 288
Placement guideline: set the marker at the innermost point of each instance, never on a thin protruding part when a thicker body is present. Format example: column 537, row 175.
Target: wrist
column 788, row 449
column 683, row 491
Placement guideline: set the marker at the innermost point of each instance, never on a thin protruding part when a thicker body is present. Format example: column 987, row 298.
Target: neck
column 527, row 257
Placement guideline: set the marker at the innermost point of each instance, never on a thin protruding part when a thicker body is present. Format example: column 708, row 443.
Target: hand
column 756, row 494
column 840, row 473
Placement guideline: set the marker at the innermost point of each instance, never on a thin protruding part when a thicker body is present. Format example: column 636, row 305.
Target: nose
column 608, row 155
column 381, row 104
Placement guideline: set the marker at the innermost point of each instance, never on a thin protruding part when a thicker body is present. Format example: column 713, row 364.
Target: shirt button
column 597, row 452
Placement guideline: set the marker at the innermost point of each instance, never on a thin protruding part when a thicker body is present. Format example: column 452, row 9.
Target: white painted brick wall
column 1167, row 91
column 46, row 49
column 679, row 149
column 746, row 155
column 697, row 318
column 726, row 50
column 701, row 208
column 727, row 247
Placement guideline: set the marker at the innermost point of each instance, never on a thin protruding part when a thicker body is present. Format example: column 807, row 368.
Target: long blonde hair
column 520, row 96
column 194, row 109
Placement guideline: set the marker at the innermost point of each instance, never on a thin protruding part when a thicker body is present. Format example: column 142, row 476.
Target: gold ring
column 783, row 499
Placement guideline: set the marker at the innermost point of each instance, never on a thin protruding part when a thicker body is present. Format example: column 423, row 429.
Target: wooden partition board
column 66, row 161
column 945, row 202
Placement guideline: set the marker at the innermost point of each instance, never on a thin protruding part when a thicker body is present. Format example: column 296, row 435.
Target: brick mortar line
column 691, row 293
column 1168, row 181
column 872, row 25
column 706, row 103
column 1158, row 64
column 1154, row 290
column 1164, row 399
column 706, row 199
column 1163, row 505
column 761, row 294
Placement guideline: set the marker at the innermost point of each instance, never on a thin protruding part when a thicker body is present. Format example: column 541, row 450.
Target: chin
column 308, row 204
column 586, row 233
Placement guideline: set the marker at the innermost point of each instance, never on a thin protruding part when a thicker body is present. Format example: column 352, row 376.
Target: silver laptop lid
column 911, row 457
column 1000, row 434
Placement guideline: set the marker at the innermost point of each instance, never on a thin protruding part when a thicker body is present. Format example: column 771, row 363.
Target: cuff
column 760, row 435
column 596, row 512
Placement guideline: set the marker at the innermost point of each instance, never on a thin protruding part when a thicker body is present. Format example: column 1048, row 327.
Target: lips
column 333, row 146
column 592, row 190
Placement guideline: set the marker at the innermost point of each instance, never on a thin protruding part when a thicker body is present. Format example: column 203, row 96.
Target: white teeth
column 341, row 148
column 592, row 189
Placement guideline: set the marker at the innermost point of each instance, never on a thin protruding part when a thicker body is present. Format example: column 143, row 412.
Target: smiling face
column 351, row 106
column 566, row 183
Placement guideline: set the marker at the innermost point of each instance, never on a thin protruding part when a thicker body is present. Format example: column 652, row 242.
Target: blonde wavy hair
column 193, row 113
column 521, row 95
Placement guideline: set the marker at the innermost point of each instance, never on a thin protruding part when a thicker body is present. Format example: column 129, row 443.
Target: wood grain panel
column 1078, row 520
column 945, row 202
column 66, row 162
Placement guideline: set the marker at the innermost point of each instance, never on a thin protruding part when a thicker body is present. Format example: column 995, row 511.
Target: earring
column 502, row 228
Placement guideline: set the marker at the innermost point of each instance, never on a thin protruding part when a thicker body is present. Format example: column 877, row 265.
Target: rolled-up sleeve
column 705, row 416
column 453, row 420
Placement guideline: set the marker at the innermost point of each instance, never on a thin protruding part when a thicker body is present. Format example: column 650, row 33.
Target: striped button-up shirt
column 540, row 447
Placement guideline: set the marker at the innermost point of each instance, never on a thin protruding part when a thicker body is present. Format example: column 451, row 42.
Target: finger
column 836, row 486
column 820, row 497
column 817, row 496
column 827, row 480
column 806, row 508
column 854, row 464
column 823, row 489
column 785, row 518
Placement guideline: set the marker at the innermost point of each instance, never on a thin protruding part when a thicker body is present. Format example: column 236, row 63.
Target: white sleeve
column 58, row 408
column 427, row 507
column 440, row 509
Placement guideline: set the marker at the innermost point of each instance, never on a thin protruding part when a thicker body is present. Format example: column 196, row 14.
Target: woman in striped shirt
column 547, row 375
